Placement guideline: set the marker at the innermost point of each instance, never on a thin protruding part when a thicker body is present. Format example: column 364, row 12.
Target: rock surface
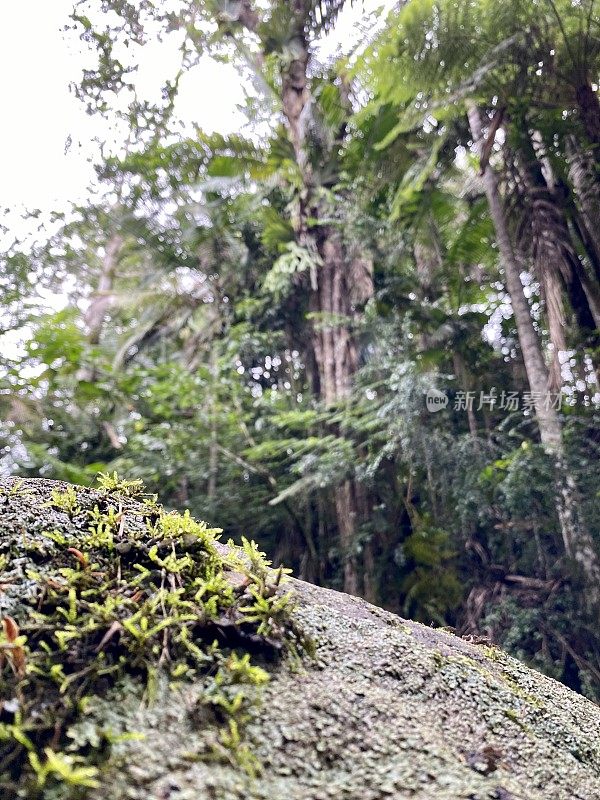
column 386, row 709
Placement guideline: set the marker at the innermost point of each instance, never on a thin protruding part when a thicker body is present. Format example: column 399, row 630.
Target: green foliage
column 432, row 588
column 293, row 261
column 206, row 379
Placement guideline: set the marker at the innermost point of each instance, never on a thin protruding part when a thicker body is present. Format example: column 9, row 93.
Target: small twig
column 115, row 628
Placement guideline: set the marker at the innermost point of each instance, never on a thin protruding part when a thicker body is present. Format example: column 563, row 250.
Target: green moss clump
column 110, row 600
column 65, row 501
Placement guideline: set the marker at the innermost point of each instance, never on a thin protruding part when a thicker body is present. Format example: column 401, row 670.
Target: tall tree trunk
column 552, row 269
column 341, row 285
column 94, row 317
column 577, row 540
column 101, row 299
column 341, row 281
column 465, row 385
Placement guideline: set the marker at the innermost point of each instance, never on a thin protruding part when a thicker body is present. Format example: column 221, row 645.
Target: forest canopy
column 363, row 329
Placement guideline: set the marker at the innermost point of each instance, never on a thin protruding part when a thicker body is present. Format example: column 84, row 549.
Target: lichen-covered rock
column 384, row 708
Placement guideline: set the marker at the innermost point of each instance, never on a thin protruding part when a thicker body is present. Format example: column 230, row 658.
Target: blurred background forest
column 251, row 322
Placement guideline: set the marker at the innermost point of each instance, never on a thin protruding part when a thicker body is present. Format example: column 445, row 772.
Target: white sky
column 38, row 112
column 37, row 62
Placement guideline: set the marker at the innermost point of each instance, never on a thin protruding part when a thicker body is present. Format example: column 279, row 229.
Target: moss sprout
column 65, row 501
column 113, row 484
column 16, row 490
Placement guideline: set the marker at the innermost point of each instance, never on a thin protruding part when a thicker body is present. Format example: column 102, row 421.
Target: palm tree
column 544, row 233
column 572, row 30
column 577, row 541
column 418, row 67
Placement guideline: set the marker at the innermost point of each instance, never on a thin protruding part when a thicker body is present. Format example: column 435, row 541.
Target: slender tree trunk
column 371, row 584
column 336, row 356
column 577, row 540
column 532, row 354
column 460, row 368
column 550, row 266
column 213, row 448
column 94, row 317
column 101, row 299
column 342, row 283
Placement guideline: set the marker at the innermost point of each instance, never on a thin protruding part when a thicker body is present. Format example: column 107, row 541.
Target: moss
column 517, row 691
column 124, row 592
column 65, row 501
column 15, row 490
column 515, row 717
column 492, row 652
column 113, row 484
column 460, row 664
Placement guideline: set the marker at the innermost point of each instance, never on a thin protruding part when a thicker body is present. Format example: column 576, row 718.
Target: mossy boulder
column 231, row 690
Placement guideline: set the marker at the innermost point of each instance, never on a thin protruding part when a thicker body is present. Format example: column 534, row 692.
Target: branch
column 488, row 144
